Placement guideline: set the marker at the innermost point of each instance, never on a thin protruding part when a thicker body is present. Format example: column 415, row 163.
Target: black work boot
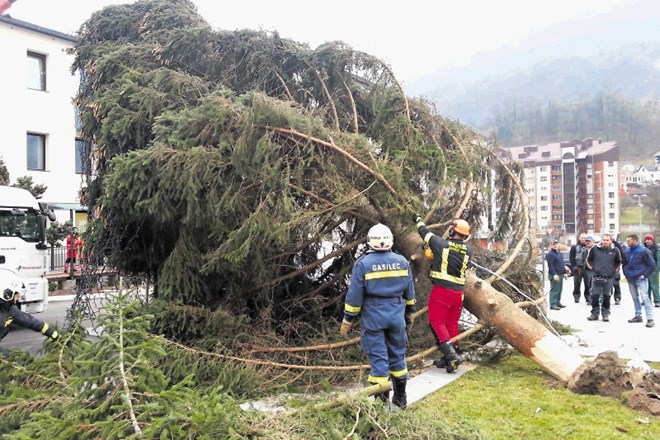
column 383, row 397
column 451, row 358
column 400, row 398
column 440, row 363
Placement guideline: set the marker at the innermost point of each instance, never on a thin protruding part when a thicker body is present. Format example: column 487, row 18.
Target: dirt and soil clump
column 610, row 376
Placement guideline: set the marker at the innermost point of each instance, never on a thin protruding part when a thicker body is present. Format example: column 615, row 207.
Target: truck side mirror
column 46, row 210
column 41, row 223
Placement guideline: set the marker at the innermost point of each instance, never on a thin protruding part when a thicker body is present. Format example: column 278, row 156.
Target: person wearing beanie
column 651, row 245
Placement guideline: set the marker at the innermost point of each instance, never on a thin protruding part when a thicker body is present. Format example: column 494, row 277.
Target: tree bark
column 524, row 333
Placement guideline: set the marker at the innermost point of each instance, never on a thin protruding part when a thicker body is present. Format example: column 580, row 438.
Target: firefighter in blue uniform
column 382, row 293
column 10, row 288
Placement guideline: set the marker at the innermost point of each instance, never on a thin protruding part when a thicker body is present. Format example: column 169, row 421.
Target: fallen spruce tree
column 238, row 173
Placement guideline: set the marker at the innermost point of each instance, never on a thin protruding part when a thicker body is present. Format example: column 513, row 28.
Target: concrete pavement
column 630, row 341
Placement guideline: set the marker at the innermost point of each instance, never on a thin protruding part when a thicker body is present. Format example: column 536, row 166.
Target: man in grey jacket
column 605, row 261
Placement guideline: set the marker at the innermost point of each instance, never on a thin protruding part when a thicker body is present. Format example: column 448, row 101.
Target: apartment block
column 37, row 116
column 572, row 187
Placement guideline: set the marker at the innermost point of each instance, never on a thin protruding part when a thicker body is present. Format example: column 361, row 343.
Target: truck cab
column 23, row 250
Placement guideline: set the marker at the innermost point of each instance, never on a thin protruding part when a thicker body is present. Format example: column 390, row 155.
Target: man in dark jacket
column 577, row 256
column 639, row 267
column 555, row 274
column 649, row 242
column 617, row 277
column 605, row 261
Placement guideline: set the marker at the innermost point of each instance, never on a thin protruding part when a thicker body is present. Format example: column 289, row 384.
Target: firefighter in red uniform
column 450, row 262
column 73, row 244
column 80, row 245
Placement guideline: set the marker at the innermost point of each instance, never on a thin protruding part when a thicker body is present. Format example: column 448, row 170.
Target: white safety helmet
column 380, row 238
column 9, row 285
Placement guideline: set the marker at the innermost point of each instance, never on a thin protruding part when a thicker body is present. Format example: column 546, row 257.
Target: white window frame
column 36, row 146
column 36, row 80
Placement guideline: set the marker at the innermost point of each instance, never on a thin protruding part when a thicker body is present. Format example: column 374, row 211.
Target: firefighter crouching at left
column 450, row 262
column 10, row 288
column 382, row 293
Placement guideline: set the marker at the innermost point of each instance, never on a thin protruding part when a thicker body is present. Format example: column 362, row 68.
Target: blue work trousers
column 384, row 338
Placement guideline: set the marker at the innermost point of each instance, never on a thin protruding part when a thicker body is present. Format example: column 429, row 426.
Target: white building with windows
column 643, row 176
column 37, row 117
column 572, row 187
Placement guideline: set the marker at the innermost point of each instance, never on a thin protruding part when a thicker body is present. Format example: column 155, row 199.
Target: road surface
column 31, row 341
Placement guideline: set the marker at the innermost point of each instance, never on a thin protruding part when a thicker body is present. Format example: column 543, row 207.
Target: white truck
column 23, row 248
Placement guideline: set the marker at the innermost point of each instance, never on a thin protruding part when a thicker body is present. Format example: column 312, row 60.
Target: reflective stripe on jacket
column 450, row 259
column 379, row 275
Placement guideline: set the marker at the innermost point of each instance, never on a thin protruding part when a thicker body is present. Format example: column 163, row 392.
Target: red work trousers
column 444, row 312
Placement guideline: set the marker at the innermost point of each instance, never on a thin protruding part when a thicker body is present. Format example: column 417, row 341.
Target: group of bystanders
column 598, row 268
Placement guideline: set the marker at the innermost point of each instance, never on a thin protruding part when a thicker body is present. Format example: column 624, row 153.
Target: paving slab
column 432, row 380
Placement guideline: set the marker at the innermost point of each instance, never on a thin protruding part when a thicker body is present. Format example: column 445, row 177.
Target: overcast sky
column 414, row 37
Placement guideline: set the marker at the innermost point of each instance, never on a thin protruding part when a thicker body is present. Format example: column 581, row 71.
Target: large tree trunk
column 523, row 332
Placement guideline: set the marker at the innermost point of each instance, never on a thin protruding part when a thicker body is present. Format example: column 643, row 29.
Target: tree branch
column 329, row 97
column 346, row 154
column 127, row 392
column 286, row 89
column 310, row 266
column 356, row 127
column 525, row 223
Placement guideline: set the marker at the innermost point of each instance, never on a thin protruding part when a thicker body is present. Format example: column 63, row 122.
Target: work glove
column 409, row 316
column 428, row 253
column 345, row 328
column 410, row 320
column 55, row 336
column 418, row 218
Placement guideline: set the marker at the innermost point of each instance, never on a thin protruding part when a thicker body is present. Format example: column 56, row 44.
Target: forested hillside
column 613, row 94
column 634, row 123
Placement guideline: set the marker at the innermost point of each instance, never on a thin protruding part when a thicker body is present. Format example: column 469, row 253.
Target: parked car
column 566, row 256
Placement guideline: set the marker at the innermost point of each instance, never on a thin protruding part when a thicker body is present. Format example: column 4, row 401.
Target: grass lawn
column 630, row 216
column 517, row 399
